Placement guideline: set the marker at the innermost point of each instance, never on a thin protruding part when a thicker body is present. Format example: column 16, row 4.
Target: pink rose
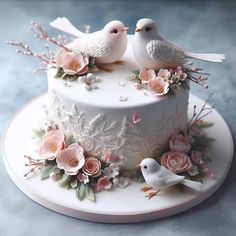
column 71, row 159
column 92, row 167
column 51, row 145
column 179, row 143
column 176, row 162
column 159, row 86
column 103, row 183
column 146, row 75
column 72, row 63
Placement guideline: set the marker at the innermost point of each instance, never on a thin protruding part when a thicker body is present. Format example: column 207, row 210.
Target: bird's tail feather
column 212, row 57
column 192, row 184
column 63, row 24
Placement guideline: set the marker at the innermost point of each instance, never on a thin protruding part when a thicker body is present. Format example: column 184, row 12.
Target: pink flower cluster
column 161, row 82
column 177, row 159
column 72, row 63
column 74, row 161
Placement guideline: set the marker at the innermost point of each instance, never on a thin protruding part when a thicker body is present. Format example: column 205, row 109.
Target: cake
column 102, row 120
column 159, row 116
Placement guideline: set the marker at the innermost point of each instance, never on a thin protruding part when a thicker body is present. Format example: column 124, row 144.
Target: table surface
column 198, row 26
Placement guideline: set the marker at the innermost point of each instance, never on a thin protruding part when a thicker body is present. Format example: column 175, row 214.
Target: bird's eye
column 148, row 29
column 114, row 31
column 145, row 167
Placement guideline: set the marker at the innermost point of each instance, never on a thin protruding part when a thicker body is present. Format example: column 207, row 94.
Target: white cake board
column 120, row 205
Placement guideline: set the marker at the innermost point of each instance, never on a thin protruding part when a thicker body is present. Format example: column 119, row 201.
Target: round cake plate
column 119, row 205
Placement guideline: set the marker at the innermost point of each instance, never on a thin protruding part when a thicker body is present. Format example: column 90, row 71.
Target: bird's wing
column 96, row 47
column 169, row 178
column 166, row 53
column 63, row 24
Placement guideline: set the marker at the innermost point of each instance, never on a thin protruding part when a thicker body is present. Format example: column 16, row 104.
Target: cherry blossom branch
column 34, row 164
column 40, row 33
column 26, row 51
column 202, row 113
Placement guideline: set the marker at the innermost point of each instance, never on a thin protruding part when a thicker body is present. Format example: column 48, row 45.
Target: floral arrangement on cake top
column 70, row 64
column 168, row 81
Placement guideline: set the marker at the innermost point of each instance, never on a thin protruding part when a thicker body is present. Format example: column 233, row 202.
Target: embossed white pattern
column 122, row 138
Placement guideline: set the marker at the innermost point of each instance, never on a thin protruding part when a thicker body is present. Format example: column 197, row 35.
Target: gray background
column 199, row 26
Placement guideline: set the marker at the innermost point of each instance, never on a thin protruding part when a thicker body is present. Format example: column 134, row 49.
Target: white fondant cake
column 101, row 119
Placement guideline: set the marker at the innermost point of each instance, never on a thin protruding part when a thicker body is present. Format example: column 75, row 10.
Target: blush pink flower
column 72, row 63
column 179, row 143
column 71, row 159
column 110, row 158
column 176, row 162
column 75, row 63
column 83, row 178
column 146, row 74
column 51, row 145
column 164, row 73
column 159, row 86
column 103, row 183
column 59, row 58
column 179, row 71
column 92, row 167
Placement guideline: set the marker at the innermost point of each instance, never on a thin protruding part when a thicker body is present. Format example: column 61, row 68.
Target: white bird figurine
column 106, row 46
column 152, row 51
column 158, row 178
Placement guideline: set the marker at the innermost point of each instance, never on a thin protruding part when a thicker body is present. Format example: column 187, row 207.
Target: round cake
column 115, row 116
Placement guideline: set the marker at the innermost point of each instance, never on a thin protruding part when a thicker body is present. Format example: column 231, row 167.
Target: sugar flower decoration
column 164, row 73
column 75, row 63
column 103, row 183
column 92, row 167
column 89, row 81
column 146, row 74
column 71, row 159
column 51, row 145
column 176, row 162
column 83, row 178
column 112, row 171
column 179, row 143
column 159, row 86
column 121, row 182
column 135, row 118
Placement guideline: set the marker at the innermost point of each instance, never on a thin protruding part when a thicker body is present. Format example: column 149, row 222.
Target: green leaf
column 205, row 124
column 70, row 140
column 201, row 142
column 46, row 171
column 89, row 193
column 74, row 183
column 65, row 180
column 136, row 72
column 80, row 191
column 38, row 133
column 141, row 179
column 59, row 73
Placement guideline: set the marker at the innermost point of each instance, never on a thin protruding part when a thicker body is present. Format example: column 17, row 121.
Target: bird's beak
column 126, row 29
column 138, row 166
column 137, row 30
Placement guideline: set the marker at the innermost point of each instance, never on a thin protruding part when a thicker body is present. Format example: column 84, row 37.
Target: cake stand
column 120, row 205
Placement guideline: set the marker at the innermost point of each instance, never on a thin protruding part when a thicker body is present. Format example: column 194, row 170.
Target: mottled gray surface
column 208, row 26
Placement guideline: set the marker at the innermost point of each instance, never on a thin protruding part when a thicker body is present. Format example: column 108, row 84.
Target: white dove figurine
column 158, row 178
column 154, row 52
column 106, row 46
